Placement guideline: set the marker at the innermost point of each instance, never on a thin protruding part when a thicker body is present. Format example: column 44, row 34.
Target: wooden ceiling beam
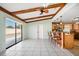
column 9, row 13
column 60, row 8
column 38, row 8
column 26, row 11
column 46, row 15
column 55, row 5
column 39, row 20
column 24, row 20
column 40, row 17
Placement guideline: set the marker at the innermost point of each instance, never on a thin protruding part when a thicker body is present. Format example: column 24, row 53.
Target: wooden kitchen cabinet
column 68, row 40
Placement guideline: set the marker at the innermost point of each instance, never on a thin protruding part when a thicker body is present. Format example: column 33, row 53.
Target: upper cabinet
column 76, row 26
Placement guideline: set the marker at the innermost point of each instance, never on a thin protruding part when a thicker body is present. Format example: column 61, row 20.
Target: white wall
column 24, row 31
column 31, row 28
column 2, row 32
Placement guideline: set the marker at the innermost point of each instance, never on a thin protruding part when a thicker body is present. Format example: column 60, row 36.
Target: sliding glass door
column 10, row 32
column 18, row 32
column 13, row 32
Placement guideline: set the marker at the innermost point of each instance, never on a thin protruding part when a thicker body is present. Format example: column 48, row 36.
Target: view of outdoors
column 13, row 32
column 18, row 32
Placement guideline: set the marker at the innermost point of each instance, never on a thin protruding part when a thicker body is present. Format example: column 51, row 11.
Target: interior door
column 32, row 31
column 35, row 31
column 40, row 31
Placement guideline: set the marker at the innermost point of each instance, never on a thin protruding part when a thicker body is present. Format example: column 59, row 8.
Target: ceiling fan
column 43, row 10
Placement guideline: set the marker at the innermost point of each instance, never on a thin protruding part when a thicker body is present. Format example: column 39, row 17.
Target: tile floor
column 33, row 47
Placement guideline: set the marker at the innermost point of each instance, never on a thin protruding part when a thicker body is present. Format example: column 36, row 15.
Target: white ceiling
column 69, row 13
column 20, row 6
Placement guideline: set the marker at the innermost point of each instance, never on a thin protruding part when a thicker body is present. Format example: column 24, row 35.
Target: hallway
column 33, row 47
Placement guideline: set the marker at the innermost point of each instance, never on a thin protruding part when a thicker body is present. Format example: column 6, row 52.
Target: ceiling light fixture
column 76, row 20
column 45, row 5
